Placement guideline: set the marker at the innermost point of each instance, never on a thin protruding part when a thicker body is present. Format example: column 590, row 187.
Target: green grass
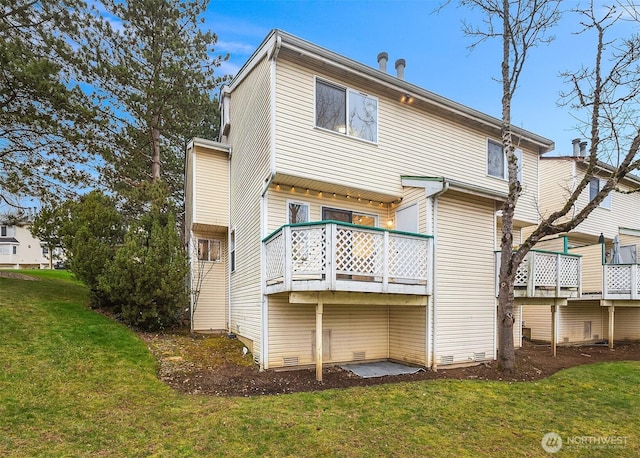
column 74, row 383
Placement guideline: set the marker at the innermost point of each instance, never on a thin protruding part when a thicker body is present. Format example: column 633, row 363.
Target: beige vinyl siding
column 591, row 267
column 556, row 184
column 572, row 318
column 250, row 165
column 348, row 329
column 465, row 276
column 538, row 319
column 626, row 323
column 278, row 206
column 211, row 309
column 211, row 187
column 555, row 244
column 407, row 334
column 410, row 142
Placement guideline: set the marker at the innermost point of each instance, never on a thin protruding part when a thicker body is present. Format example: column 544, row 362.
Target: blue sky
column 432, row 43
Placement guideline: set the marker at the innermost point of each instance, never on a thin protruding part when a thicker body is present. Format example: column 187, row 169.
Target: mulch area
column 226, row 378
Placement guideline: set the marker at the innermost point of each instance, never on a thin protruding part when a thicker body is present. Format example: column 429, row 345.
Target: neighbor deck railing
column 621, row 281
column 335, row 256
column 546, row 274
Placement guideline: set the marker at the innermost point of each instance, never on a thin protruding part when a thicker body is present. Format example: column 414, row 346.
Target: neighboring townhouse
column 19, row 249
column 608, row 240
column 349, row 215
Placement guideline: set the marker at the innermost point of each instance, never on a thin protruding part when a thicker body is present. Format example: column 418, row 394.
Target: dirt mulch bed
column 17, row 276
column 195, row 364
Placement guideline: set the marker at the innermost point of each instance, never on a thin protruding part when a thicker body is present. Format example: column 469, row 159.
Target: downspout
column 229, row 245
column 434, row 275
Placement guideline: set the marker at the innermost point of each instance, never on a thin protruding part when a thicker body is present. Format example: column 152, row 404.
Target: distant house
column 19, row 249
column 348, row 215
column 608, row 241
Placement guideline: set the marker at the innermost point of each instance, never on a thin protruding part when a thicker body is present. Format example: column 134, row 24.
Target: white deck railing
column 334, row 256
column 546, row 274
column 621, row 281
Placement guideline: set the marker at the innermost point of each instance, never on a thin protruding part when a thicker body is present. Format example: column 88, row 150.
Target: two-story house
column 349, row 215
column 19, row 249
column 608, row 240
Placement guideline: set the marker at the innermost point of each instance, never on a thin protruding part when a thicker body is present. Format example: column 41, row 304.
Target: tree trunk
column 506, row 350
column 155, row 144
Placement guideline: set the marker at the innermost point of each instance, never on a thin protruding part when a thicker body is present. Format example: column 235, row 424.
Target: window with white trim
column 595, row 185
column 346, row 111
column 209, row 250
column 7, row 231
column 297, row 212
column 497, row 164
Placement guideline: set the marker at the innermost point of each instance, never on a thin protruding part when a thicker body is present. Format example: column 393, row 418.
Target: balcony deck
column 336, row 256
column 545, row 274
column 621, row 281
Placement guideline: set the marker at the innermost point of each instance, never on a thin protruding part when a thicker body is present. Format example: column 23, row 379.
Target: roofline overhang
column 277, row 39
column 600, row 166
column 454, row 185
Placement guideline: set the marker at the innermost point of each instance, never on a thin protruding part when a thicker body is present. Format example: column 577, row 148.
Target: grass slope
column 74, row 383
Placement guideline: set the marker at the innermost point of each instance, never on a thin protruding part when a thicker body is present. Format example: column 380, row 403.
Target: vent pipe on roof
column 383, row 58
column 400, row 64
column 583, row 149
column 576, row 147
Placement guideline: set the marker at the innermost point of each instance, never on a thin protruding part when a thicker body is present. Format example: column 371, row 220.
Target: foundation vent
column 479, row 356
column 359, row 355
column 596, row 337
column 565, row 339
column 446, row 359
column 256, row 359
column 290, row 361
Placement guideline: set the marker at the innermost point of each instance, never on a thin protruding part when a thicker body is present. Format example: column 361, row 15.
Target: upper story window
column 346, row 111
column 298, row 212
column 497, row 165
column 209, row 250
column 7, row 231
column 595, row 185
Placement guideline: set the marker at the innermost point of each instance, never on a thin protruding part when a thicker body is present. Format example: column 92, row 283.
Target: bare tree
column 608, row 92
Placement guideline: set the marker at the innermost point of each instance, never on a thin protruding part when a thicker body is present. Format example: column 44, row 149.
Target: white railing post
column 558, row 268
column 579, row 277
column 634, row 282
column 430, row 265
column 332, row 235
column 288, row 264
column 498, row 258
column 531, row 282
column 385, row 262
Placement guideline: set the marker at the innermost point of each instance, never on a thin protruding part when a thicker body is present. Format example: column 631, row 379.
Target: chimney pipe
column 383, row 57
column 400, row 64
column 576, row 147
column 583, row 149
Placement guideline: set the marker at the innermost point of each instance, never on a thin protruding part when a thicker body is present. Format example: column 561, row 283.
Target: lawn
column 74, row 383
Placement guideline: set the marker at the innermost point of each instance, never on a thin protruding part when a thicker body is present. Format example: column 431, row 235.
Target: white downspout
column 433, row 215
column 229, row 246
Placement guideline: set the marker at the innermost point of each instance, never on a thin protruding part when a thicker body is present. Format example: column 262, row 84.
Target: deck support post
column 554, row 329
column 611, row 321
column 319, row 311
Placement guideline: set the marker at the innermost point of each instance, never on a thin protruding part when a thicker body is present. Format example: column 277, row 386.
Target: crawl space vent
column 256, row 359
column 446, row 359
column 359, row 355
column 290, row 361
column 565, row 339
column 479, row 356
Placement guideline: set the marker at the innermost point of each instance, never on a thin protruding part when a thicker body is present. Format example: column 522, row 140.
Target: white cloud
column 234, row 47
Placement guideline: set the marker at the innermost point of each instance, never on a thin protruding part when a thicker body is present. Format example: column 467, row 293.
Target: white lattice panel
column 408, row 257
column 618, row 278
column 308, row 250
column 522, row 273
column 274, row 254
column 569, row 267
column 358, row 252
column 545, row 269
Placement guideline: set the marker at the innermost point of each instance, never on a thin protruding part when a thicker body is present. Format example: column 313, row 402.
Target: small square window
column 298, row 212
column 497, row 165
column 209, row 250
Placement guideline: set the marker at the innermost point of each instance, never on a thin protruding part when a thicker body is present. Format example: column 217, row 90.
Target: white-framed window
column 7, row 231
column 497, row 165
column 297, row 212
column 595, row 185
column 232, row 250
column 209, row 250
column 8, row 249
column 45, row 250
column 346, row 111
